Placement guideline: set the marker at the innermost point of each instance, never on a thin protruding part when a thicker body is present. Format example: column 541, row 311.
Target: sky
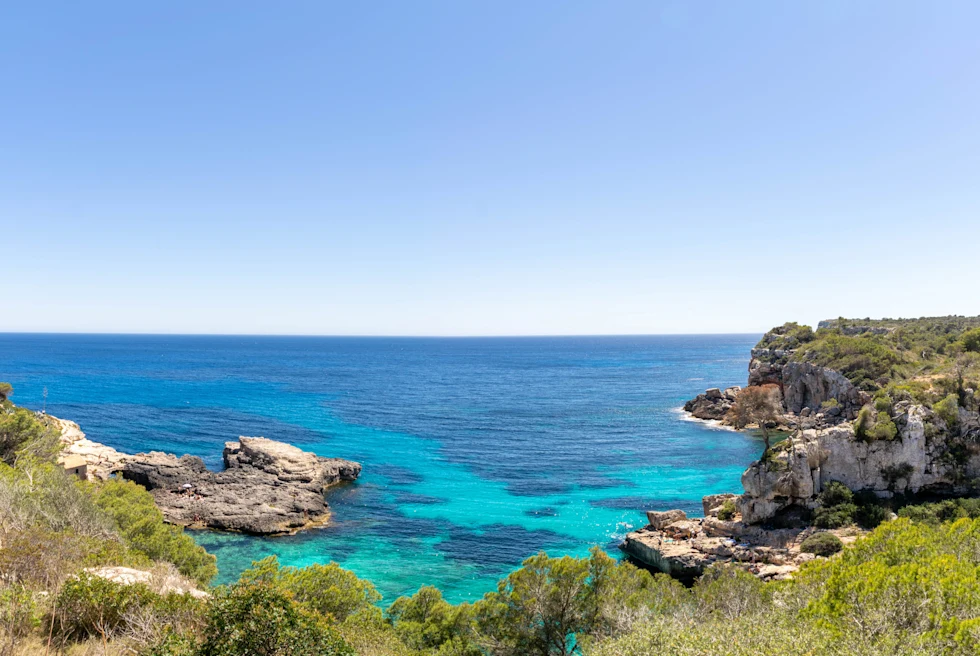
column 485, row 168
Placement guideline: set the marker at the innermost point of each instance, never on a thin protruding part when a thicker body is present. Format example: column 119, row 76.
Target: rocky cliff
column 890, row 442
column 267, row 487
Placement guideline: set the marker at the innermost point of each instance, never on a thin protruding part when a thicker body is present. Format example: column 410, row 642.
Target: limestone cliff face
column 919, row 459
column 821, row 404
column 807, row 386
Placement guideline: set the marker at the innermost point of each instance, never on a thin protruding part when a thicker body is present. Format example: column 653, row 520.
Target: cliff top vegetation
column 926, row 359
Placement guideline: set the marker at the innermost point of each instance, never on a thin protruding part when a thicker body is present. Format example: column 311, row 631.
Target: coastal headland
column 869, row 413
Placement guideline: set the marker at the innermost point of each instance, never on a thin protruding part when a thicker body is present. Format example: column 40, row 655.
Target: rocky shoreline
column 685, row 547
column 266, row 488
column 922, row 453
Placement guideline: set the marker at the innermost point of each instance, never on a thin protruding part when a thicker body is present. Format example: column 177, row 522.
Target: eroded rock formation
column 714, row 404
column 922, row 453
column 684, row 548
column 267, row 487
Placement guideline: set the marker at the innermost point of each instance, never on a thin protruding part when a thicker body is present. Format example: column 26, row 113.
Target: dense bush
column 23, row 433
column 822, row 544
column 90, row 606
column 142, row 527
column 971, row 340
column 871, row 514
column 870, row 426
column 264, row 619
column 329, row 590
column 948, row 409
column 863, row 360
column 943, row 511
column 835, row 493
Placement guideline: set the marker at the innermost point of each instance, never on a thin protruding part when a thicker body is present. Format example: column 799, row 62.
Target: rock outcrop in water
column 713, row 404
column 267, row 487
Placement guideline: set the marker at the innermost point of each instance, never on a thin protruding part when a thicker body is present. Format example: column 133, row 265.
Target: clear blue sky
column 486, row 167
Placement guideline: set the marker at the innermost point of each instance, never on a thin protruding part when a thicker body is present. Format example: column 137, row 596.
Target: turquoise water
column 476, row 452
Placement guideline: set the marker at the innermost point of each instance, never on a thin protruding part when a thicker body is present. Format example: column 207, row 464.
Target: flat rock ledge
column 684, row 548
column 266, row 488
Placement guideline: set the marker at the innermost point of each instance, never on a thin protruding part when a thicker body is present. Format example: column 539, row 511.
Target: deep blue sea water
column 477, row 452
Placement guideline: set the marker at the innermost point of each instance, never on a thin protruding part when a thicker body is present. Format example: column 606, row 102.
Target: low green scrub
column 262, row 618
column 942, row 511
column 727, row 510
column 822, row 544
column 327, row 589
column 141, row 525
column 840, row 507
column 871, row 426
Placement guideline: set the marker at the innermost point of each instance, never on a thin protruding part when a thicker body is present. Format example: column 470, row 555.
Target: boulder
column 713, row 404
column 684, row 549
column 712, row 503
column 162, row 584
column 658, row 519
column 806, row 385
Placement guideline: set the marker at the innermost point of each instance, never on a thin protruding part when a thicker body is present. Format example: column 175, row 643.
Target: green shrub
column 835, row 493
column 942, row 511
column 729, row 592
column 20, row 611
column 948, row 409
column 971, row 340
column 259, row 618
column 864, row 423
column 870, row 427
column 330, row 590
column 862, row 359
column 426, row 621
column 90, row 606
column 871, row 515
column 834, row 516
column 884, row 428
column 822, row 544
column 142, row 526
column 22, row 433
column 883, row 403
column 727, row 510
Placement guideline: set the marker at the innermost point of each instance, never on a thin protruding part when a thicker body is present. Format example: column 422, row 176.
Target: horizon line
column 368, row 336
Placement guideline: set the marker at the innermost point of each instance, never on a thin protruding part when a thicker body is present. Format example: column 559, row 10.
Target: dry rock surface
column 684, row 548
column 162, row 582
column 102, row 460
column 713, row 404
column 267, row 487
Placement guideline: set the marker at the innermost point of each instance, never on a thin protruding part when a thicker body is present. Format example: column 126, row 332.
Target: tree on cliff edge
column 761, row 405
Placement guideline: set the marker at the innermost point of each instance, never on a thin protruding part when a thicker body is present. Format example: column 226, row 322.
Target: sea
column 476, row 452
